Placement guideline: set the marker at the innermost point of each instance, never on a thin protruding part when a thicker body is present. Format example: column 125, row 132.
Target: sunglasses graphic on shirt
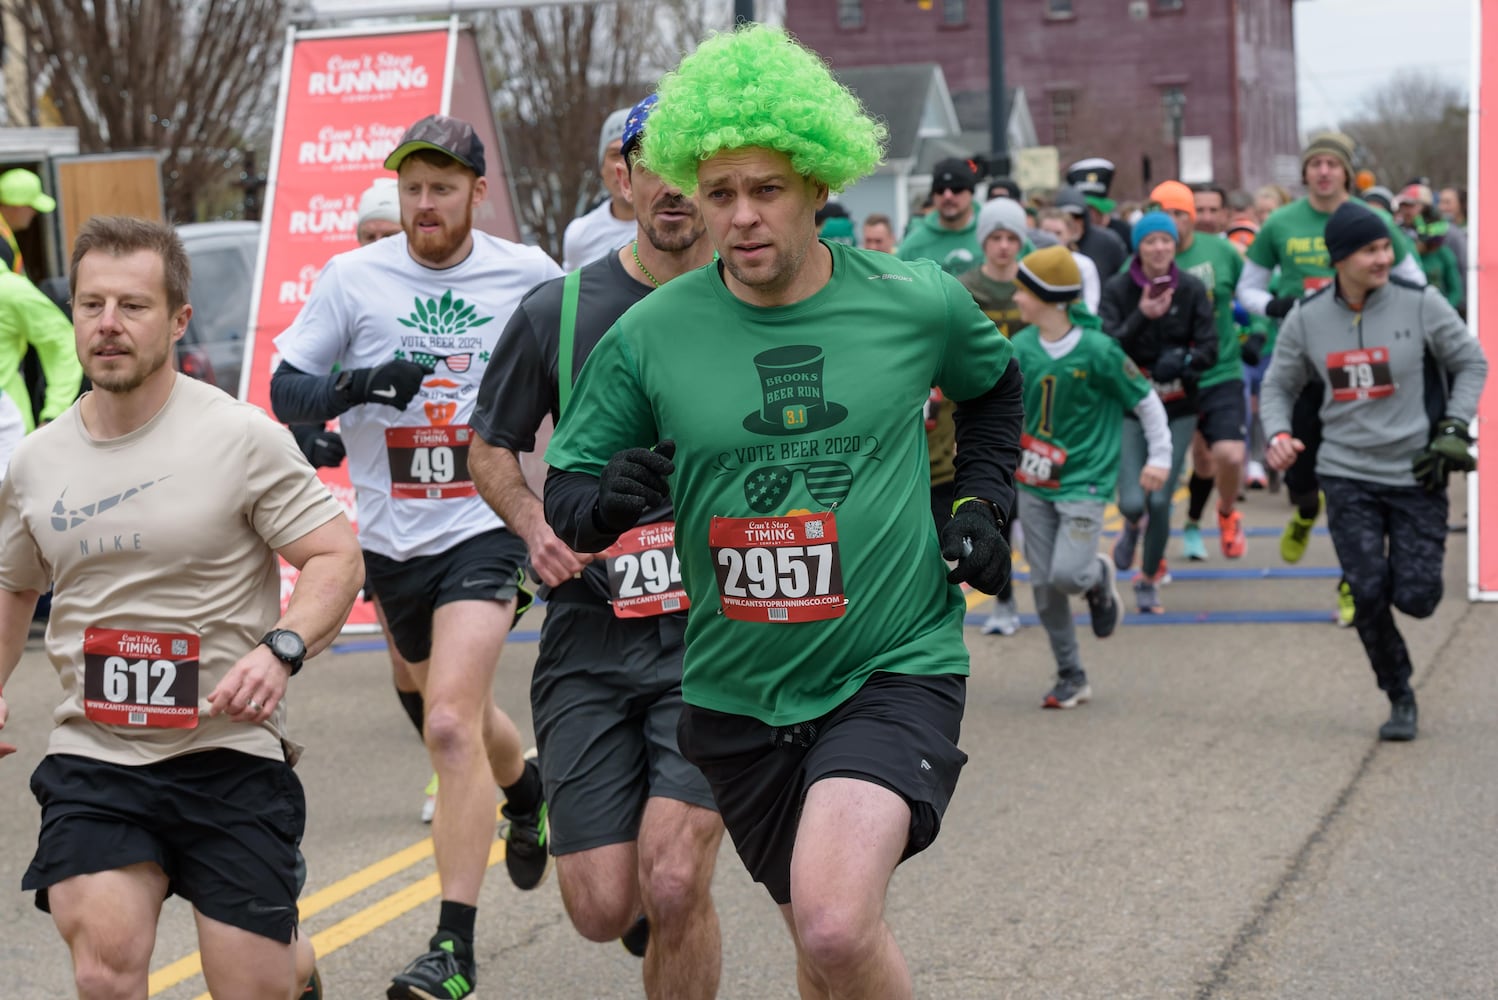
column 456, row 363
column 827, row 482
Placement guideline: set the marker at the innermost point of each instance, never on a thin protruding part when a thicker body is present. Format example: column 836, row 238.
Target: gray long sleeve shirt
column 1374, row 412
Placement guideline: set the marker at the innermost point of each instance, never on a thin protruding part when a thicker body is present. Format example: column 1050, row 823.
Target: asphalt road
column 1220, row 822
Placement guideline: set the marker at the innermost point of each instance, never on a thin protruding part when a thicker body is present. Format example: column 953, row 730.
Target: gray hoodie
column 1405, row 360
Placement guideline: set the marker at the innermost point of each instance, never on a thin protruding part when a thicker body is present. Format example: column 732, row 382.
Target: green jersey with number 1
column 1074, row 407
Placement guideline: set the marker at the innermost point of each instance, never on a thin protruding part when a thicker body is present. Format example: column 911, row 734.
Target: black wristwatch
column 288, row 647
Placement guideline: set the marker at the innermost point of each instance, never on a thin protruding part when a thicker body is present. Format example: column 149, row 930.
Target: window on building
column 1169, row 4
column 850, row 13
column 1062, row 102
column 1059, row 8
column 954, row 12
column 1173, row 105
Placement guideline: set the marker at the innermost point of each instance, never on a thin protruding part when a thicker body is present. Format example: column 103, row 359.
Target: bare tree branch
column 1415, row 125
column 194, row 79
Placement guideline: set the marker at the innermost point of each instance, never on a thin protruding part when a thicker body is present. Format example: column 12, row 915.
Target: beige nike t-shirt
column 160, row 549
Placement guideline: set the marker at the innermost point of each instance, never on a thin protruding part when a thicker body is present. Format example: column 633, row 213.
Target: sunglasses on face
column 950, row 189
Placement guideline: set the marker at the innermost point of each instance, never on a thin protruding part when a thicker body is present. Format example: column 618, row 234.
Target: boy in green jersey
column 1078, row 383
column 825, row 668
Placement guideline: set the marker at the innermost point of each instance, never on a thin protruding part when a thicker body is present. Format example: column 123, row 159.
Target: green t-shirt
column 956, row 250
column 1217, row 264
column 1444, row 273
column 809, row 407
column 1293, row 239
column 995, row 298
column 1074, row 407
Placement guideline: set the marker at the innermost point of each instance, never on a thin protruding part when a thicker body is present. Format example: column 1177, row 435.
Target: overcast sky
column 1343, row 48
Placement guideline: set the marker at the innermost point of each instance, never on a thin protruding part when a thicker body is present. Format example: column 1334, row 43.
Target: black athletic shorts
column 224, row 826
column 605, row 699
column 898, row 731
column 1221, row 413
column 487, row 567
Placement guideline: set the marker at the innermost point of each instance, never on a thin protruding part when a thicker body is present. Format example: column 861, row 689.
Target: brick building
column 1114, row 78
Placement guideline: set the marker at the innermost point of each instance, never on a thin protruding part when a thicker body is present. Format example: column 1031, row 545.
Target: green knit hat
column 1330, row 144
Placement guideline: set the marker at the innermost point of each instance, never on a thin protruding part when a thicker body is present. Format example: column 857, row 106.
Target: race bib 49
column 429, row 463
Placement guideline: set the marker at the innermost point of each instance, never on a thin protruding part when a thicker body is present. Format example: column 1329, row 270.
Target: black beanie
column 1351, row 228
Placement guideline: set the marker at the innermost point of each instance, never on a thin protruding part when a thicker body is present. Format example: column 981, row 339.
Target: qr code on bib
column 179, row 647
column 813, row 529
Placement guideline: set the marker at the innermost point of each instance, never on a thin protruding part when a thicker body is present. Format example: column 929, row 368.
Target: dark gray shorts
column 605, row 700
column 486, row 567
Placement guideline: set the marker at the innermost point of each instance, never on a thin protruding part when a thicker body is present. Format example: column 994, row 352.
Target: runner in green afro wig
column 758, row 87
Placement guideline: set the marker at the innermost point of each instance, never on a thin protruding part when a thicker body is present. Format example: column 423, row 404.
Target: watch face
column 287, row 646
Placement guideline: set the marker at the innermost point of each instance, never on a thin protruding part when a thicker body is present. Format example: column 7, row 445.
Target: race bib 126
column 1040, row 463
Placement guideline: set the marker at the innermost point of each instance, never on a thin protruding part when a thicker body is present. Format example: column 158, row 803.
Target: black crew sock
column 1201, row 492
column 457, row 920
column 525, row 794
column 412, row 702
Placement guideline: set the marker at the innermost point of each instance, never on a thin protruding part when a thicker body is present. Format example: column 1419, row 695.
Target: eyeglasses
column 456, row 363
column 827, row 482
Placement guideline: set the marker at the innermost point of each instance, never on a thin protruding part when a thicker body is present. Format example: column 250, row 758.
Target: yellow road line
column 370, row 918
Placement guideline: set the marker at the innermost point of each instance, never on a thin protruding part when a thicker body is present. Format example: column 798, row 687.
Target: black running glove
column 395, row 383
column 1252, row 348
column 974, row 540
column 323, row 448
column 1449, row 451
column 1280, row 306
column 1173, row 363
column 633, row 482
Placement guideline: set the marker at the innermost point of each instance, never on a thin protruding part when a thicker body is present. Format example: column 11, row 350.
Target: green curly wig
column 757, row 86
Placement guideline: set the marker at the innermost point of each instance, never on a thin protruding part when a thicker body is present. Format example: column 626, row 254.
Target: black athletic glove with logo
column 1449, row 451
column 1279, row 307
column 633, row 482
column 1252, row 348
column 323, row 448
column 395, row 383
column 1173, row 363
column 983, row 561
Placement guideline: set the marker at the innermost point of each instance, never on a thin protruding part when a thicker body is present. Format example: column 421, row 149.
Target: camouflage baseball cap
column 451, row 136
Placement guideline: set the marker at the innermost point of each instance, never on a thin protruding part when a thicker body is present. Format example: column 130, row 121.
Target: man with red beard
column 393, row 341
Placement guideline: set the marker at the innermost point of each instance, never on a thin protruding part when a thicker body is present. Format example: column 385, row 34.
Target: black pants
column 1391, row 542
column 1305, row 425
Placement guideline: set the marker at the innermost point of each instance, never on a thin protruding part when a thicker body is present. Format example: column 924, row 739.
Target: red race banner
column 345, row 102
column 1482, row 305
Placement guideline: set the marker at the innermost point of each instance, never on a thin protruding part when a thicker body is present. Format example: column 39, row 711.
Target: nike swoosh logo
column 476, row 584
column 383, row 393
column 65, row 517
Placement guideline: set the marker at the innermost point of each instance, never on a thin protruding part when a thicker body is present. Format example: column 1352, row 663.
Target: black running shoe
column 1403, row 722
column 441, row 974
column 527, row 859
column 1103, row 602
